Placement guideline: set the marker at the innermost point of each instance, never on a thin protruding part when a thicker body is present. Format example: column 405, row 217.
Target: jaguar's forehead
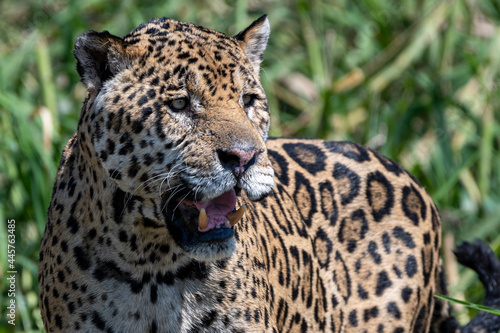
column 174, row 33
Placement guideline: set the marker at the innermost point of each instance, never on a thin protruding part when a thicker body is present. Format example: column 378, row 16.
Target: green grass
column 478, row 307
column 416, row 80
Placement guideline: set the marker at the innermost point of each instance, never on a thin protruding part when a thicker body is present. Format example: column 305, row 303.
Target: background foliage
column 416, row 80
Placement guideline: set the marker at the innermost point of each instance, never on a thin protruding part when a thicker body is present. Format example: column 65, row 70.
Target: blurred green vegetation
column 416, row 80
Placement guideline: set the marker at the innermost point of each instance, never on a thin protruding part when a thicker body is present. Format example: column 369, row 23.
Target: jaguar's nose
column 237, row 160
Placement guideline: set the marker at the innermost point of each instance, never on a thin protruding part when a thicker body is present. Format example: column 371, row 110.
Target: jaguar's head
column 177, row 115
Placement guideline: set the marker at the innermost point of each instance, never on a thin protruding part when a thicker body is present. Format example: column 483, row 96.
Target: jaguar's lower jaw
column 216, row 244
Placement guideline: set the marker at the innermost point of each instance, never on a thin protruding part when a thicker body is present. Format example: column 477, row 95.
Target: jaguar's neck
column 129, row 228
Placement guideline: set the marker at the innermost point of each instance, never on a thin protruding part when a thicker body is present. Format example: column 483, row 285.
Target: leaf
column 469, row 305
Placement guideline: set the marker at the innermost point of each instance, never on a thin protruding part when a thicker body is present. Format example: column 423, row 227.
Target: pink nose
column 238, row 160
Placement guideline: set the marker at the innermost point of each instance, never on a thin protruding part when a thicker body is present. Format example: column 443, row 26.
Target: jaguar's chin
column 205, row 229
column 211, row 251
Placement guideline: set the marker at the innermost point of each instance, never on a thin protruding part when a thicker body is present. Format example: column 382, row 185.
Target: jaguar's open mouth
column 211, row 220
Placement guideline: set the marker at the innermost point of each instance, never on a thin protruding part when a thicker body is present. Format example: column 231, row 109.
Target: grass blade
column 469, row 305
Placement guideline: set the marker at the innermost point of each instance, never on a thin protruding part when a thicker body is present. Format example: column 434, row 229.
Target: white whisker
column 171, row 196
column 184, row 197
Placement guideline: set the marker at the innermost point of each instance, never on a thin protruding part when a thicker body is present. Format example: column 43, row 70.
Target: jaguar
column 173, row 211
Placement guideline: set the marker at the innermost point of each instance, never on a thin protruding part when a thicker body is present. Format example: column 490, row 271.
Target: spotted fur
column 336, row 237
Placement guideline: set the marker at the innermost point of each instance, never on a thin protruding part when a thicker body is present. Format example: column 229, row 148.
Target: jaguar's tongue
column 218, row 212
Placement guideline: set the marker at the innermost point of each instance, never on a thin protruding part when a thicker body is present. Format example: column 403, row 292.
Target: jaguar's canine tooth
column 234, row 217
column 202, row 219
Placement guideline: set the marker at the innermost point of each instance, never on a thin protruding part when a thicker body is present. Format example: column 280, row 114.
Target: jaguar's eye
column 248, row 100
column 179, row 104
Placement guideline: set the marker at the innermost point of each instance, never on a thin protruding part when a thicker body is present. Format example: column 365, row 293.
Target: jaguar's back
column 352, row 240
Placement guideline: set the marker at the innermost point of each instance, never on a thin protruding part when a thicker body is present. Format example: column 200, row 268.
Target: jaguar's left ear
column 253, row 40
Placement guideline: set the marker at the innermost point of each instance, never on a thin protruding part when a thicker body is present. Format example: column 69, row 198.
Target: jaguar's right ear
column 100, row 56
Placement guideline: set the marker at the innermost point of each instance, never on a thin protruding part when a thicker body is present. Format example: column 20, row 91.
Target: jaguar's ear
column 253, row 40
column 100, row 56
